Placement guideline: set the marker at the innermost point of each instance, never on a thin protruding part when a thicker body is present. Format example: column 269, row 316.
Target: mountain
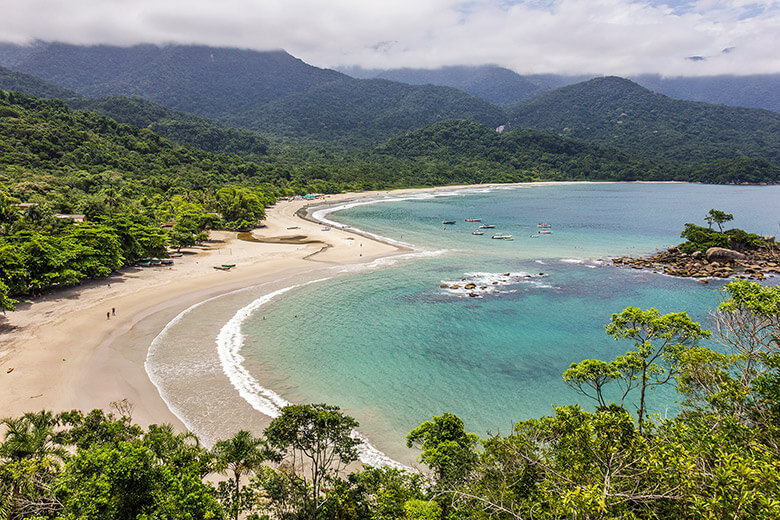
column 179, row 127
column 261, row 91
column 32, row 85
column 617, row 112
column 494, row 84
column 366, row 110
column 754, row 91
column 505, row 87
column 469, row 148
column 46, row 147
column 207, row 81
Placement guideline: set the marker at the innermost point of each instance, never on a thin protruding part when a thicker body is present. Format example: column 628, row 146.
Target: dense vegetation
column 20, row 82
column 699, row 238
column 535, row 155
column 210, row 82
column 717, row 459
column 181, row 128
column 617, row 112
column 365, row 111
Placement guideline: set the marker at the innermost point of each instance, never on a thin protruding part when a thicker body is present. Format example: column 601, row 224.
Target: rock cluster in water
column 716, row 262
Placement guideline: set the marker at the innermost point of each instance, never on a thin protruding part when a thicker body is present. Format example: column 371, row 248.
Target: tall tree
column 319, row 439
column 241, row 455
column 659, row 341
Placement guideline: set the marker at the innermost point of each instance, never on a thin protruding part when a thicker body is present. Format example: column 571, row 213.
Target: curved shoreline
column 67, row 355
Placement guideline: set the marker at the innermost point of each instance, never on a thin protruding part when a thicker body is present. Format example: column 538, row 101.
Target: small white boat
column 487, row 226
column 501, row 236
column 473, row 220
column 325, row 228
column 477, row 232
column 545, row 231
column 447, row 221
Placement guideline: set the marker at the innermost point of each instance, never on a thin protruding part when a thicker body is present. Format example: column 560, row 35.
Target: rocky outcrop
column 720, row 254
column 715, row 263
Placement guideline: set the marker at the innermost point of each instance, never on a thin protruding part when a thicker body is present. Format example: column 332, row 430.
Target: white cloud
column 564, row 36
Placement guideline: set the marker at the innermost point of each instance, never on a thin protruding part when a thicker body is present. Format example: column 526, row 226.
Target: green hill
column 20, row 82
column 177, row 126
column 260, row 91
column 366, row 110
column 45, row 146
column 540, row 155
column 207, row 81
column 616, row 112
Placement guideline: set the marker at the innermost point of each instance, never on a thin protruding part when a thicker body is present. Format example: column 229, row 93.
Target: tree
column 718, row 217
column 6, row 302
column 242, row 454
column 318, row 436
column 659, row 341
column 446, row 448
column 589, row 377
column 742, row 381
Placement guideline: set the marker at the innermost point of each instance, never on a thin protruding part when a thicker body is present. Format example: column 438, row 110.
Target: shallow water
column 392, row 347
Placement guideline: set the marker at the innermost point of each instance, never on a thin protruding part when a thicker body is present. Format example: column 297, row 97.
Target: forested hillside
column 494, row 84
column 617, row 112
column 206, row 81
column 365, row 111
column 260, row 91
column 29, row 84
column 177, row 126
column 469, row 146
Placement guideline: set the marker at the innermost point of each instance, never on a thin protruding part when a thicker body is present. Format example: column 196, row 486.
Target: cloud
column 620, row 37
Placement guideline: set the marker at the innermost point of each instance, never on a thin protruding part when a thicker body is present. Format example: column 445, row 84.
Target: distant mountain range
column 619, row 113
column 505, row 87
column 263, row 91
column 177, row 91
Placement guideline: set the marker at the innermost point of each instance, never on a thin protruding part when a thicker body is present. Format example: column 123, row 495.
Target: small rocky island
column 708, row 253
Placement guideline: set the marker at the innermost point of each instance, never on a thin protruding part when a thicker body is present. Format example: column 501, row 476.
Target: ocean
column 398, row 341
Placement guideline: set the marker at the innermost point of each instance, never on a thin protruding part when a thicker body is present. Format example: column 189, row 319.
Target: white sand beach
column 67, row 354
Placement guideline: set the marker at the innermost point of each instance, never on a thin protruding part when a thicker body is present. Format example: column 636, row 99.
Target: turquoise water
column 393, row 348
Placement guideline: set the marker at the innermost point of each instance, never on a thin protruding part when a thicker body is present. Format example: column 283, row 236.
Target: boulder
column 769, row 238
column 722, row 254
column 673, row 249
column 697, row 254
column 470, row 286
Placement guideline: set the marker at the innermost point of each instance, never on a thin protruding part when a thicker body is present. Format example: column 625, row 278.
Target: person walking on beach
column 113, row 311
column 108, row 315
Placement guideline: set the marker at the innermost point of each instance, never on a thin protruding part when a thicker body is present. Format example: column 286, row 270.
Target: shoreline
column 66, row 355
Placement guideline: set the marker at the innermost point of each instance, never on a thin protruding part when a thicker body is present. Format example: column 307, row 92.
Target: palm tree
column 240, row 455
column 32, row 436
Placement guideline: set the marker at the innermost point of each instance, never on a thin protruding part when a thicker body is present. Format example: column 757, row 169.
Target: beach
column 84, row 347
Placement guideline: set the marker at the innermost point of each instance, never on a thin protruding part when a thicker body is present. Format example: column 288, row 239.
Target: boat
column 508, row 238
column 501, row 236
column 545, row 231
column 447, row 221
column 473, row 220
column 543, row 225
column 325, row 228
column 536, row 235
column 477, row 232
column 228, row 266
column 487, row 226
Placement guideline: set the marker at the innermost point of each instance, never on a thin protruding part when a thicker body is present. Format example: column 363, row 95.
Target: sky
column 600, row 37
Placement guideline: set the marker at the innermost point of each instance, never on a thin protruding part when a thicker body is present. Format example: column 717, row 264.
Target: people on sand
column 108, row 315
column 113, row 311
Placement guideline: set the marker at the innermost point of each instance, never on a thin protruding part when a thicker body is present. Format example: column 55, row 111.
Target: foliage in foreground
column 718, row 458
